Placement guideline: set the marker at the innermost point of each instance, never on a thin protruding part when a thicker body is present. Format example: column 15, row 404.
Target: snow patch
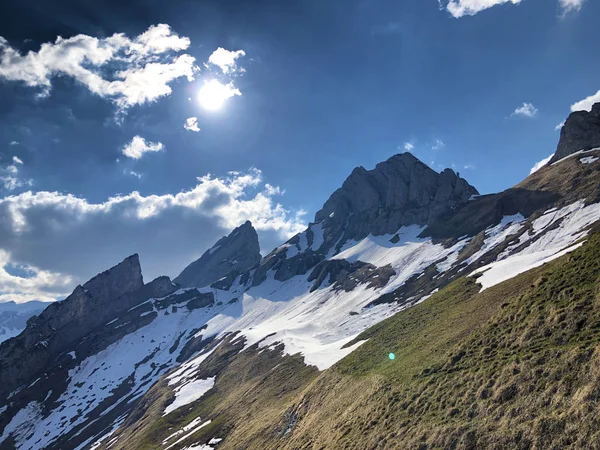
column 575, row 220
column 580, row 152
column 189, row 392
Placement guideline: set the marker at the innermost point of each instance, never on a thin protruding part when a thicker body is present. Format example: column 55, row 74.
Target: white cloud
column 10, row 182
column 587, row 103
column 469, row 167
column 138, row 146
column 13, row 143
column 191, row 124
column 538, row 165
column 128, row 71
column 273, row 190
column 559, row 126
column 525, row 110
column 37, row 285
column 460, row 8
column 438, row 143
column 408, row 146
column 568, row 6
column 163, row 229
column 225, row 59
column 9, row 178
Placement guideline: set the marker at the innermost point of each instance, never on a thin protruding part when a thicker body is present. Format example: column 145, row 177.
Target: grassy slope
column 255, row 383
column 516, row 366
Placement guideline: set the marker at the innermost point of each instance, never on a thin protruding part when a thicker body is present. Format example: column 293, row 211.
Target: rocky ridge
column 233, row 253
column 581, row 131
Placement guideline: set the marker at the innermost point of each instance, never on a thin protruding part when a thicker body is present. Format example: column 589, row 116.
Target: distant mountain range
column 412, row 313
column 14, row 316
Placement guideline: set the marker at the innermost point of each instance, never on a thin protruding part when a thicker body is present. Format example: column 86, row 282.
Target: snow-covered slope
column 14, row 316
column 312, row 295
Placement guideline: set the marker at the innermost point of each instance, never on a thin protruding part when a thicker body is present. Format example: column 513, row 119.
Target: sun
column 213, row 94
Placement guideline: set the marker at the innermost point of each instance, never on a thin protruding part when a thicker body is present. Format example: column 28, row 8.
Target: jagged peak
column 581, row 131
column 118, row 280
column 394, row 183
column 238, row 251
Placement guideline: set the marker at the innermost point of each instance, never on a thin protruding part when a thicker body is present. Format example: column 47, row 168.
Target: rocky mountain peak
column 398, row 192
column 403, row 184
column 64, row 323
column 580, row 132
column 118, row 280
column 236, row 252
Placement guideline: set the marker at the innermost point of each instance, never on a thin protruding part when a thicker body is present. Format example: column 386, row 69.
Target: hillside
column 513, row 366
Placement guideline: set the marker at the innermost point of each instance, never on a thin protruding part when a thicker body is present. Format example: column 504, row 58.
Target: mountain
column 231, row 254
column 14, row 316
column 401, row 191
column 580, row 132
column 412, row 313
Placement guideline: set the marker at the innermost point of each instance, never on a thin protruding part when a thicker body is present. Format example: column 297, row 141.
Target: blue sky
column 97, row 161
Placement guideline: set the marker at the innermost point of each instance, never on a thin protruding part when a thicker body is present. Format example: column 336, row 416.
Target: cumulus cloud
column 138, row 146
column 191, row 124
column 525, row 110
column 34, row 284
column 273, row 190
column 127, row 71
column 559, row 126
column 168, row 231
column 17, row 160
column 538, row 165
column 460, row 8
column 408, row 146
column 226, row 59
column 587, row 103
column 568, row 6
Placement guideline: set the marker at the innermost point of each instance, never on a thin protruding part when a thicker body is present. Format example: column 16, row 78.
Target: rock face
column 63, row 323
column 237, row 252
column 400, row 191
column 580, row 132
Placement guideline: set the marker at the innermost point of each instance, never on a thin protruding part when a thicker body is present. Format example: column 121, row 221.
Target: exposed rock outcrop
column 346, row 275
column 237, row 251
column 400, row 191
column 580, row 132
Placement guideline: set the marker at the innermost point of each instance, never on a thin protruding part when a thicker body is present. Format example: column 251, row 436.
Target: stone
column 580, row 132
column 398, row 192
column 238, row 251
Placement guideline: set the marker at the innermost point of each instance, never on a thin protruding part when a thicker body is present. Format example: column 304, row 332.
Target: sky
column 157, row 127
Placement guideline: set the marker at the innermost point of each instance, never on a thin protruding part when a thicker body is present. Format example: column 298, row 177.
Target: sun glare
column 213, row 94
